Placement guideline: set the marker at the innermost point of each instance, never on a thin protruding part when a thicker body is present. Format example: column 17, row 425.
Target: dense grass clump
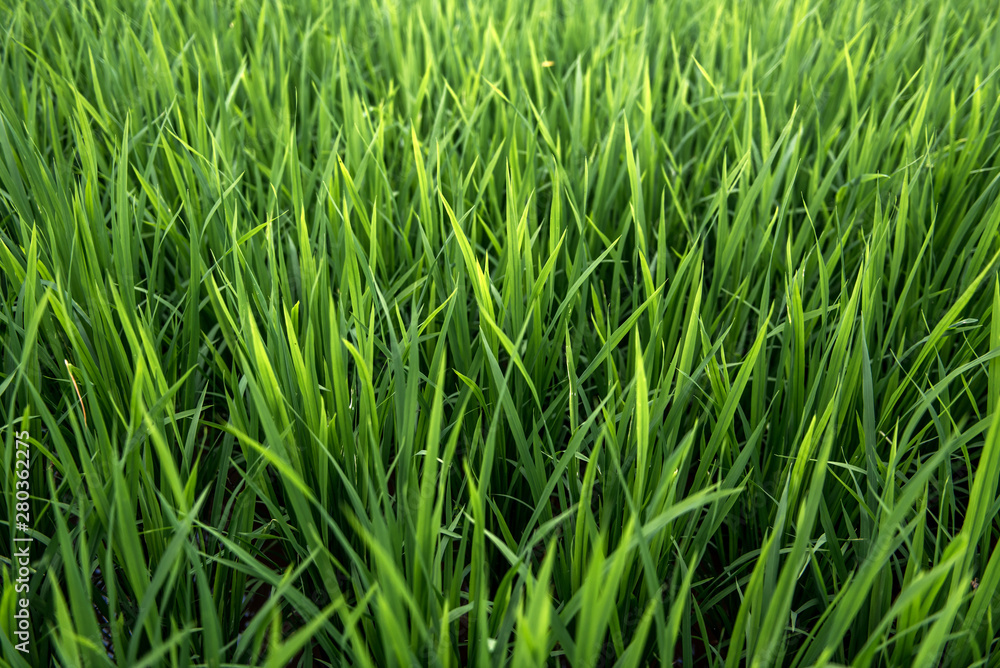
column 566, row 332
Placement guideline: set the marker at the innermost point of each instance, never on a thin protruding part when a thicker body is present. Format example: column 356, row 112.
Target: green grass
column 566, row 332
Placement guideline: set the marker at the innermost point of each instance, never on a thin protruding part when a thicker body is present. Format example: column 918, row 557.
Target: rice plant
column 527, row 332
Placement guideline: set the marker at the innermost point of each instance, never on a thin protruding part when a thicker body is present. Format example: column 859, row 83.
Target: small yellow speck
column 547, row 63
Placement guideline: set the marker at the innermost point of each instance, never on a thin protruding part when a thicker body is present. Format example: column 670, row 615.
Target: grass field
column 565, row 332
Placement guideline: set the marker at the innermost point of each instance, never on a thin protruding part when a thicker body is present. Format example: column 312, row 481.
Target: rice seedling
column 536, row 332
